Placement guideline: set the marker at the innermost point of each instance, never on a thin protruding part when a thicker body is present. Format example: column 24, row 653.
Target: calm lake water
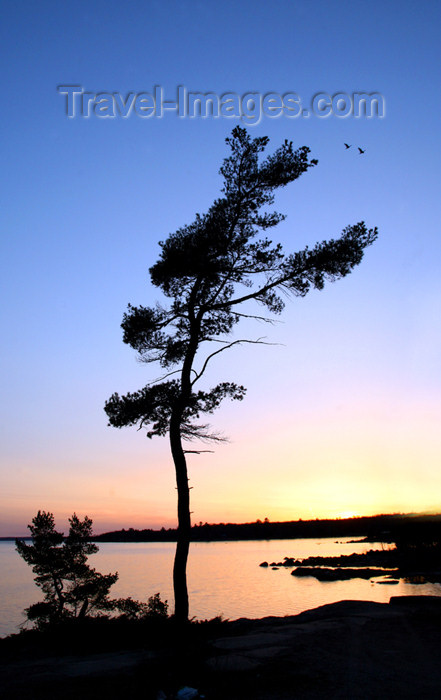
column 223, row 578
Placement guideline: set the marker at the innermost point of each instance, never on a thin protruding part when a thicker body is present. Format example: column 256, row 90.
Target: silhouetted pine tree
column 208, row 271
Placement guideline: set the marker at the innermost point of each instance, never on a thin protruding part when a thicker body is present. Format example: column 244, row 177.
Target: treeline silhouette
column 382, row 528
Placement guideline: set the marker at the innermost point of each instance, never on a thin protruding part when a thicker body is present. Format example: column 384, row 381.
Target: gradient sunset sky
column 343, row 417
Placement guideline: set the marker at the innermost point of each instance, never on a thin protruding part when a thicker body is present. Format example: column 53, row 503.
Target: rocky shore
column 371, row 564
column 351, row 649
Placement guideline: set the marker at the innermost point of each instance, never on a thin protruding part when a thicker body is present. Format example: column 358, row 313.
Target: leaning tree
column 210, row 271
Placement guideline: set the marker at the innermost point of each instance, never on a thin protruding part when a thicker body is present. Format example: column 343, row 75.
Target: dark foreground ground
column 347, row 650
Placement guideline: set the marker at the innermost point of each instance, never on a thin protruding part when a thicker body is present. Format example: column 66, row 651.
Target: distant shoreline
column 375, row 528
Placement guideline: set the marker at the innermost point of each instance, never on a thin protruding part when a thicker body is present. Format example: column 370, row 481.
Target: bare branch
column 273, row 321
column 169, row 374
column 196, row 452
column 145, row 359
column 200, row 432
column 215, row 340
column 259, row 341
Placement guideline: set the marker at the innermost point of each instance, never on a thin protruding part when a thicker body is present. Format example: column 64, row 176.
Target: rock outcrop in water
column 371, row 564
column 378, row 561
column 341, row 573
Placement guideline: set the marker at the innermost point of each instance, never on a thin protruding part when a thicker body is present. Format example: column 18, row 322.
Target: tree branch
column 259, row 341
column 196, row 452
column 258, row 318
column 252, row 295
column 161, row 379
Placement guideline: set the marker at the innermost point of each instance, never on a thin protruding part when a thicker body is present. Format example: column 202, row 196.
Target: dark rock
column 417, row 602
column 339, row 574
column 377, row 558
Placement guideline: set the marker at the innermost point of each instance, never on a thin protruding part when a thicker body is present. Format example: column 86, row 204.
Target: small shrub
column 73, row 590
column 157, row 607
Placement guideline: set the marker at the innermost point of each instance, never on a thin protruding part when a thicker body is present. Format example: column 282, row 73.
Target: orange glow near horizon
column 365, row 458
column 347, row 515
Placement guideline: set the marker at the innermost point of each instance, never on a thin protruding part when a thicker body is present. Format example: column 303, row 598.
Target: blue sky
column 344, row 415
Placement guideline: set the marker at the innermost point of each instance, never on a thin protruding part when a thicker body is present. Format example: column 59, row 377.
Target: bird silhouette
column 348, row 146
column 361, row 150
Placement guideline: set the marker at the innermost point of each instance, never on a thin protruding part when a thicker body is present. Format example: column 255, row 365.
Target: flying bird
column 361, row 150
column 348, row 146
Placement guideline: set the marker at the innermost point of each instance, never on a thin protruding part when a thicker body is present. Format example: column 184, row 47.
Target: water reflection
column 224, row 578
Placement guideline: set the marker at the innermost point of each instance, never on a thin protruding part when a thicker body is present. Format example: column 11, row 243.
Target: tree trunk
column 83, row 610
column 58, row 585
column 184, row 524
